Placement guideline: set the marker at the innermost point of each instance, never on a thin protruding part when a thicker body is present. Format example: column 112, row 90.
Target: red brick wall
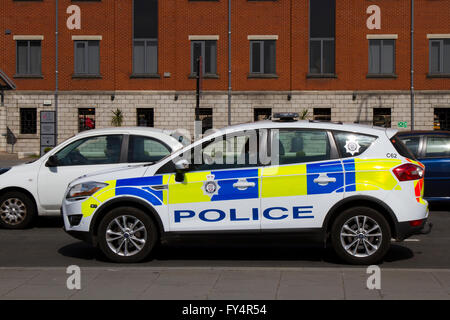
column 180, row 18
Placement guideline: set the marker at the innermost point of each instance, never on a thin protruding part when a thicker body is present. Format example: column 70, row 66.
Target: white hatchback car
column 37, row 187
column 355, row 185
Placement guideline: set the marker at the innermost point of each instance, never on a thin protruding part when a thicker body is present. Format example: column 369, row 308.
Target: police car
column 354, row 186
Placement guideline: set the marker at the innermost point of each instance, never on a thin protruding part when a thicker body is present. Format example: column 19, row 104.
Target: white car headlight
column 83, row 190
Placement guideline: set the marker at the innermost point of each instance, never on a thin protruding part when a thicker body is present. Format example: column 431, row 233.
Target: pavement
column 33, row 265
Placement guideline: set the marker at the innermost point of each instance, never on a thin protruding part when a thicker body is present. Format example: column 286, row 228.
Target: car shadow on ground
column 250, row 251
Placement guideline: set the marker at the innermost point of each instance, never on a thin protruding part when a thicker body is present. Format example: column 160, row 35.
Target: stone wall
column 171, row 113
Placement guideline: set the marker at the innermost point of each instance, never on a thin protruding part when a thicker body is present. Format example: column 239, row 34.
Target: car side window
column 297, row 146
column 91, row 151
column 437, row 147
column 352, row 144
column 146, row 149
column 412, row 143
column 229, row 151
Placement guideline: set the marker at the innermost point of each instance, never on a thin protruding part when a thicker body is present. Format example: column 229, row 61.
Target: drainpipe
column 229, row 62
column 412, row 64
column 56, row 72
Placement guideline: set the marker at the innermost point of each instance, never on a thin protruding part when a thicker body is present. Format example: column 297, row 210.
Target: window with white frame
column 263, row 56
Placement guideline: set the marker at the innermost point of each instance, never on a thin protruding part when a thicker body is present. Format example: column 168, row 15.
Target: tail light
column 408, row 172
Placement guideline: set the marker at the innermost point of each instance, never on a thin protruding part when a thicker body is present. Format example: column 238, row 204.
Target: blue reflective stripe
column 141, row 181
column 229, row 174
column 228, row 192
column 350, row 178
column 144, row 194
column 324, row 167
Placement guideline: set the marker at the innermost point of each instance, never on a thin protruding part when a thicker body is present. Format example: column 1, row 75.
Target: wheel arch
column 24, row 191
column 124, row 201
column 358, row 201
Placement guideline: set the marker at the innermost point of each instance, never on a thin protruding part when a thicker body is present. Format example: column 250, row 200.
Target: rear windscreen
column 401, row 148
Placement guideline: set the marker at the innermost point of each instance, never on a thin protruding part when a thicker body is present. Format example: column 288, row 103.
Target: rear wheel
column 17, row 210
column 127, row 235
column 361, row 235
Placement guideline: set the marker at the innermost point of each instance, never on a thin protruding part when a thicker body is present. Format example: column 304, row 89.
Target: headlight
column 83, row 190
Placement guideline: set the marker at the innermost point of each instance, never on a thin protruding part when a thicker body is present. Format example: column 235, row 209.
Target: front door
column 83, row 156
column 222, row 191
column 299, row 190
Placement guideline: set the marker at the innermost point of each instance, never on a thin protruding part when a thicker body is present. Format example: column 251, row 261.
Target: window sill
column 145, row 76
column 86, row 76
column 28, row 76
column 262, row 76
column 205, row 76
column 381, row 76
column 438, row 75
column 321, row 76
column 28, row 136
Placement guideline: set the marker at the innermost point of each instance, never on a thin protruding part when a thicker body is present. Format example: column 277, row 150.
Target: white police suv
column 37, row 187
column 356, row 186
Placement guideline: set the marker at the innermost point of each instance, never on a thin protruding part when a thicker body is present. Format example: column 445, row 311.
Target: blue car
column 432, row 148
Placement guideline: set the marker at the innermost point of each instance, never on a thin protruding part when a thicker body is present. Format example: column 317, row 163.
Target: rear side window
column 412, row 143
column 437, row 147
column 401, row 148
column 352, row 144
column 146, row 149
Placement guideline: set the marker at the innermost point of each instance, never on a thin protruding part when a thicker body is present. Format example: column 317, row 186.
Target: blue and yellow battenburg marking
column 191, row 190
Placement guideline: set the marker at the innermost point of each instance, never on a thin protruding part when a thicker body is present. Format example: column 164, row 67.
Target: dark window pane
column 256, row 57
column 441, row 118
column 387, row 57
column 28, row 124
column 93, row 57
column 145, row 19
column 382, row 117
column 152, row 57
column 262, row 114
column 328, row 56
column 145, row 149
column 196, row 53
column 35, row 57
column 269, row 57
column 80, row 57
column 322, row 18
column 139, row 57
column 446, row 56
column 210, row 57
column 86, row 119
column 206, row 117
column 145, row 117
column 374, row 56
column 322, row 114
column 412, row 143
column 22, row 57
column 435, row 56
column 315, row 57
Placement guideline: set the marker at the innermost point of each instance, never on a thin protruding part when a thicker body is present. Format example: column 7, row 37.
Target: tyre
column 127, row 235
column 361, row 235
column 17, row 210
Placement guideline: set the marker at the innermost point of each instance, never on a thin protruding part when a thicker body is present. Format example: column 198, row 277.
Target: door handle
column 323, row 179
column 243, row 184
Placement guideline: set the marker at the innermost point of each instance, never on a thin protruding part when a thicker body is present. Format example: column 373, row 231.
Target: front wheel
column 361, row 235
column 127, row 235
column 17, row 210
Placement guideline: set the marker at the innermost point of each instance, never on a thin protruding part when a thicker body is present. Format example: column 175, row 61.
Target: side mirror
column 181, row 166
column 52, row 161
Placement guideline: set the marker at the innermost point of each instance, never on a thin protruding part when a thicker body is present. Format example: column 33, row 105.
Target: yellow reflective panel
column 86, row 208
column 374, row 180
column 106, row 193
column 284, row 170
column 284, row 186
column 375, row 164
column 187, row 193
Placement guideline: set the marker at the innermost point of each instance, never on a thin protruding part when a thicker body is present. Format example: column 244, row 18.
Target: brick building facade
column 342, row 60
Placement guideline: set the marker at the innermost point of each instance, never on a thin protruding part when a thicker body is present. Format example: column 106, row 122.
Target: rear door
column 306, row 182
column 436, row 158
